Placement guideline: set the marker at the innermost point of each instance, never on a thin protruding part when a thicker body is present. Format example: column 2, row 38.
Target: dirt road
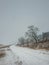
column 30, row 56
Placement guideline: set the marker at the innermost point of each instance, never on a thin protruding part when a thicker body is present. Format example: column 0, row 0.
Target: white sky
column 17, row 15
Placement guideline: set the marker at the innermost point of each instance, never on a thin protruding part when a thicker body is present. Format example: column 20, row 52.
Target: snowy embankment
column 30, row 56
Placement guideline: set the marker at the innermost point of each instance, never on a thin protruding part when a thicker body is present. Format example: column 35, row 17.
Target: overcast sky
column 17, row 15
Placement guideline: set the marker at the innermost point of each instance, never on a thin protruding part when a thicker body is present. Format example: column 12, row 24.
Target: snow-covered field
column 29, row 56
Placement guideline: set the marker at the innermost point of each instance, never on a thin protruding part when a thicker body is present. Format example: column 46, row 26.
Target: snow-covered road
column 30, row 56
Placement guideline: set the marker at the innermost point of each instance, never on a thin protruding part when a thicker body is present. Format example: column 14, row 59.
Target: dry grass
column 40, row 45
column 2, row 54
column 2, row 51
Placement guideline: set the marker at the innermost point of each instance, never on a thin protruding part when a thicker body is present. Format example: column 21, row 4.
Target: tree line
column 31, row 36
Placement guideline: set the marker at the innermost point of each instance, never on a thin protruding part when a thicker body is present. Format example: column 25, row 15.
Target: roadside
column 9, row 58
column 37, row 46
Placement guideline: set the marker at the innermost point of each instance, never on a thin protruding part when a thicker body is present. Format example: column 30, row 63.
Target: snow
column 30, row 56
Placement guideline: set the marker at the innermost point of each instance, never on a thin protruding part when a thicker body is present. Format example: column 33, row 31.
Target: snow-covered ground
column 30, row 56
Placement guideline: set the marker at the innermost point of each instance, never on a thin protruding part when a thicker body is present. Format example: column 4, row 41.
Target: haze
column 17, row 15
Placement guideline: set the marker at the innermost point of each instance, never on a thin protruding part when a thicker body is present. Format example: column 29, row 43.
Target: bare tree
column 21, row 41
column 45, row 36
column 32, row 33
